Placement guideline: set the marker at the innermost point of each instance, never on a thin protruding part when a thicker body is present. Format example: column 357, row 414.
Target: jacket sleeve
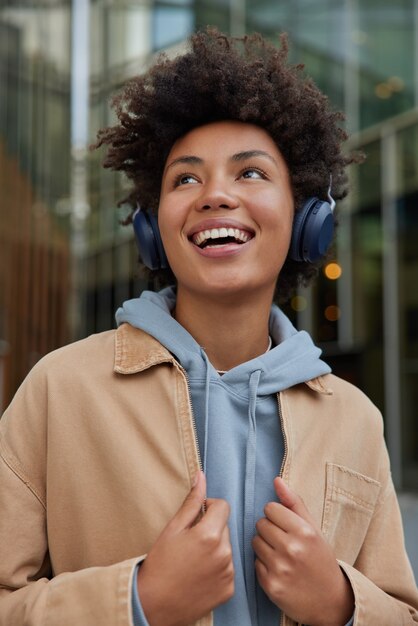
column 29, row 595
column 382, row 579
column 30, row 592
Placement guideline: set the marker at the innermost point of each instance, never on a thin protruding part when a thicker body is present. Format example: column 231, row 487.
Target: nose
column 217, row 197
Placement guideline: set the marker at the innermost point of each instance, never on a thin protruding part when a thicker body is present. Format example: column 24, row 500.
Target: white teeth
column 217, row 233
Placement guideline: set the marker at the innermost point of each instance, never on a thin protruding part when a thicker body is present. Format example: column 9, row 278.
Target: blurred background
column 66, row 263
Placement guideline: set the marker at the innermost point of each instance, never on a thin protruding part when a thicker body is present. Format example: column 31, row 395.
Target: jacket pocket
column 350, row 499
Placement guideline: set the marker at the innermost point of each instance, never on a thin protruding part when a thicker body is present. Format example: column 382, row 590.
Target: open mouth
column 220, row 237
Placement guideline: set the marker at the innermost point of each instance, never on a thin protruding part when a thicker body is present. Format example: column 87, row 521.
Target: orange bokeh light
column 332, row 313
column 333, row 270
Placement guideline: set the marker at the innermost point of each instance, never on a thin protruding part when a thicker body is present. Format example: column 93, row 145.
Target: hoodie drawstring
column 249, row 488
column 207, row 383
column 249, row 493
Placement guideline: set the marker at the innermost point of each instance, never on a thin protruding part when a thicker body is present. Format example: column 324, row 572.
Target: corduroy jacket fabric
column 98, row 451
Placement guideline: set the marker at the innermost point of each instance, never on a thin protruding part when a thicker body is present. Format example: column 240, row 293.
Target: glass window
column 345, row 48
column 171, row 23
column 408, row 297
column 386, row 69
column 367, row 272
column 35, row 169
column 360, row 359
column 213, row 12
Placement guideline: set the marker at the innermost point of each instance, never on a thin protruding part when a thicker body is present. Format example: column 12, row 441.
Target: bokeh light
column 298, row 303
column 333, row 270
column 332, row 313
column 396, row 83
column 385, row 90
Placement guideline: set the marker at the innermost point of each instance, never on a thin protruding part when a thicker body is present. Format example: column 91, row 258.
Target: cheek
column 279, row 221
column 166, row 222
column 277, row 227
column 274, row 208
column 170, row 226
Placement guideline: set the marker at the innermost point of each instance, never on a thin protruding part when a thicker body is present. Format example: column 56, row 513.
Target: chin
column 233, row 288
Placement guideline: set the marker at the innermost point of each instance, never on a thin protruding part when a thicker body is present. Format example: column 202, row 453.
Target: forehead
column 223, row 138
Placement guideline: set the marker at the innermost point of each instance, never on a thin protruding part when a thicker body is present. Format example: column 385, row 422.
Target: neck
column 231, row 330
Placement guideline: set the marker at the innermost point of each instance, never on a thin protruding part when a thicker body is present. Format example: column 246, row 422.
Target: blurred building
column 66, row 262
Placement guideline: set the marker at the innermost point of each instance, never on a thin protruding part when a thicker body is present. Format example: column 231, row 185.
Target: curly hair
column 229, row 78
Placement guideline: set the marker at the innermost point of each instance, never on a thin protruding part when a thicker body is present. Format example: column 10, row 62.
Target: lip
column 219, row 222
column 227, row 250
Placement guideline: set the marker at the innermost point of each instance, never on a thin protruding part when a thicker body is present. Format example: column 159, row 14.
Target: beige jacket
column 98, row 451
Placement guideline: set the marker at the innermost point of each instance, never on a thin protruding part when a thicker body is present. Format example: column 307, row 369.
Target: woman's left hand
column 296, row 566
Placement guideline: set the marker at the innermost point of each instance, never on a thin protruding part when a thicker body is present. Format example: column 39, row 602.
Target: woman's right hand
column 189, row 570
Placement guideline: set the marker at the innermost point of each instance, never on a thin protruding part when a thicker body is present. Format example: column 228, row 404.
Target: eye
column 185, row 179
column 253, row 172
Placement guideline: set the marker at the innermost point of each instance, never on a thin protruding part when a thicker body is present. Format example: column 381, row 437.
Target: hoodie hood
column 293, row 359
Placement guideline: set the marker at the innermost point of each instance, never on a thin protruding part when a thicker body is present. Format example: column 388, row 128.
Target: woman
column 200, row 464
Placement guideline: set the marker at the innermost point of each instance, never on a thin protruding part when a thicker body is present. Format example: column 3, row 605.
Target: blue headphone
column 148, row 239
column 313, row 228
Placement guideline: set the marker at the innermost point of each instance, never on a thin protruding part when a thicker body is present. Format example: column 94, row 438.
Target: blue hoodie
column 239, row 433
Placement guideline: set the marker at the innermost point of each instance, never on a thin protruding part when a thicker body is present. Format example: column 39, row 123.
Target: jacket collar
column 136, row 351
column 319, row 385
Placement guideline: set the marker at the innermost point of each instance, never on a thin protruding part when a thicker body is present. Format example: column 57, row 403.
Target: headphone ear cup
column 163, row 261
column 148, row 239
column 313, row 229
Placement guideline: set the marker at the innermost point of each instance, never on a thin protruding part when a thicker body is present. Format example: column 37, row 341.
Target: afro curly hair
column 229, row 78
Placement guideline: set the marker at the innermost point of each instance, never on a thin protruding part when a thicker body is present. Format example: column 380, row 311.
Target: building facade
column 66, row 262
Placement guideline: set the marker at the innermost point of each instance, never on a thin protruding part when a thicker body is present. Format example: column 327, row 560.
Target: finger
column 262, row 572
column 291, row 500
column 226, row 540
column 191, row 507
column 272, row 533
column 216, row 516
column 284, row 519
column 263, row 550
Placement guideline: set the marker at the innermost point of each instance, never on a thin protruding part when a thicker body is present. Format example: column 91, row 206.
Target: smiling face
column 226, row 210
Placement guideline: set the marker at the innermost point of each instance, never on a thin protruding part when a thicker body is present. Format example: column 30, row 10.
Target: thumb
column 192, row 505
column 291, row 500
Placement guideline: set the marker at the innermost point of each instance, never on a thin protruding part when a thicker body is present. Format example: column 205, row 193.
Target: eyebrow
column 194, row 160
column 250, row 154
column 239, row 156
